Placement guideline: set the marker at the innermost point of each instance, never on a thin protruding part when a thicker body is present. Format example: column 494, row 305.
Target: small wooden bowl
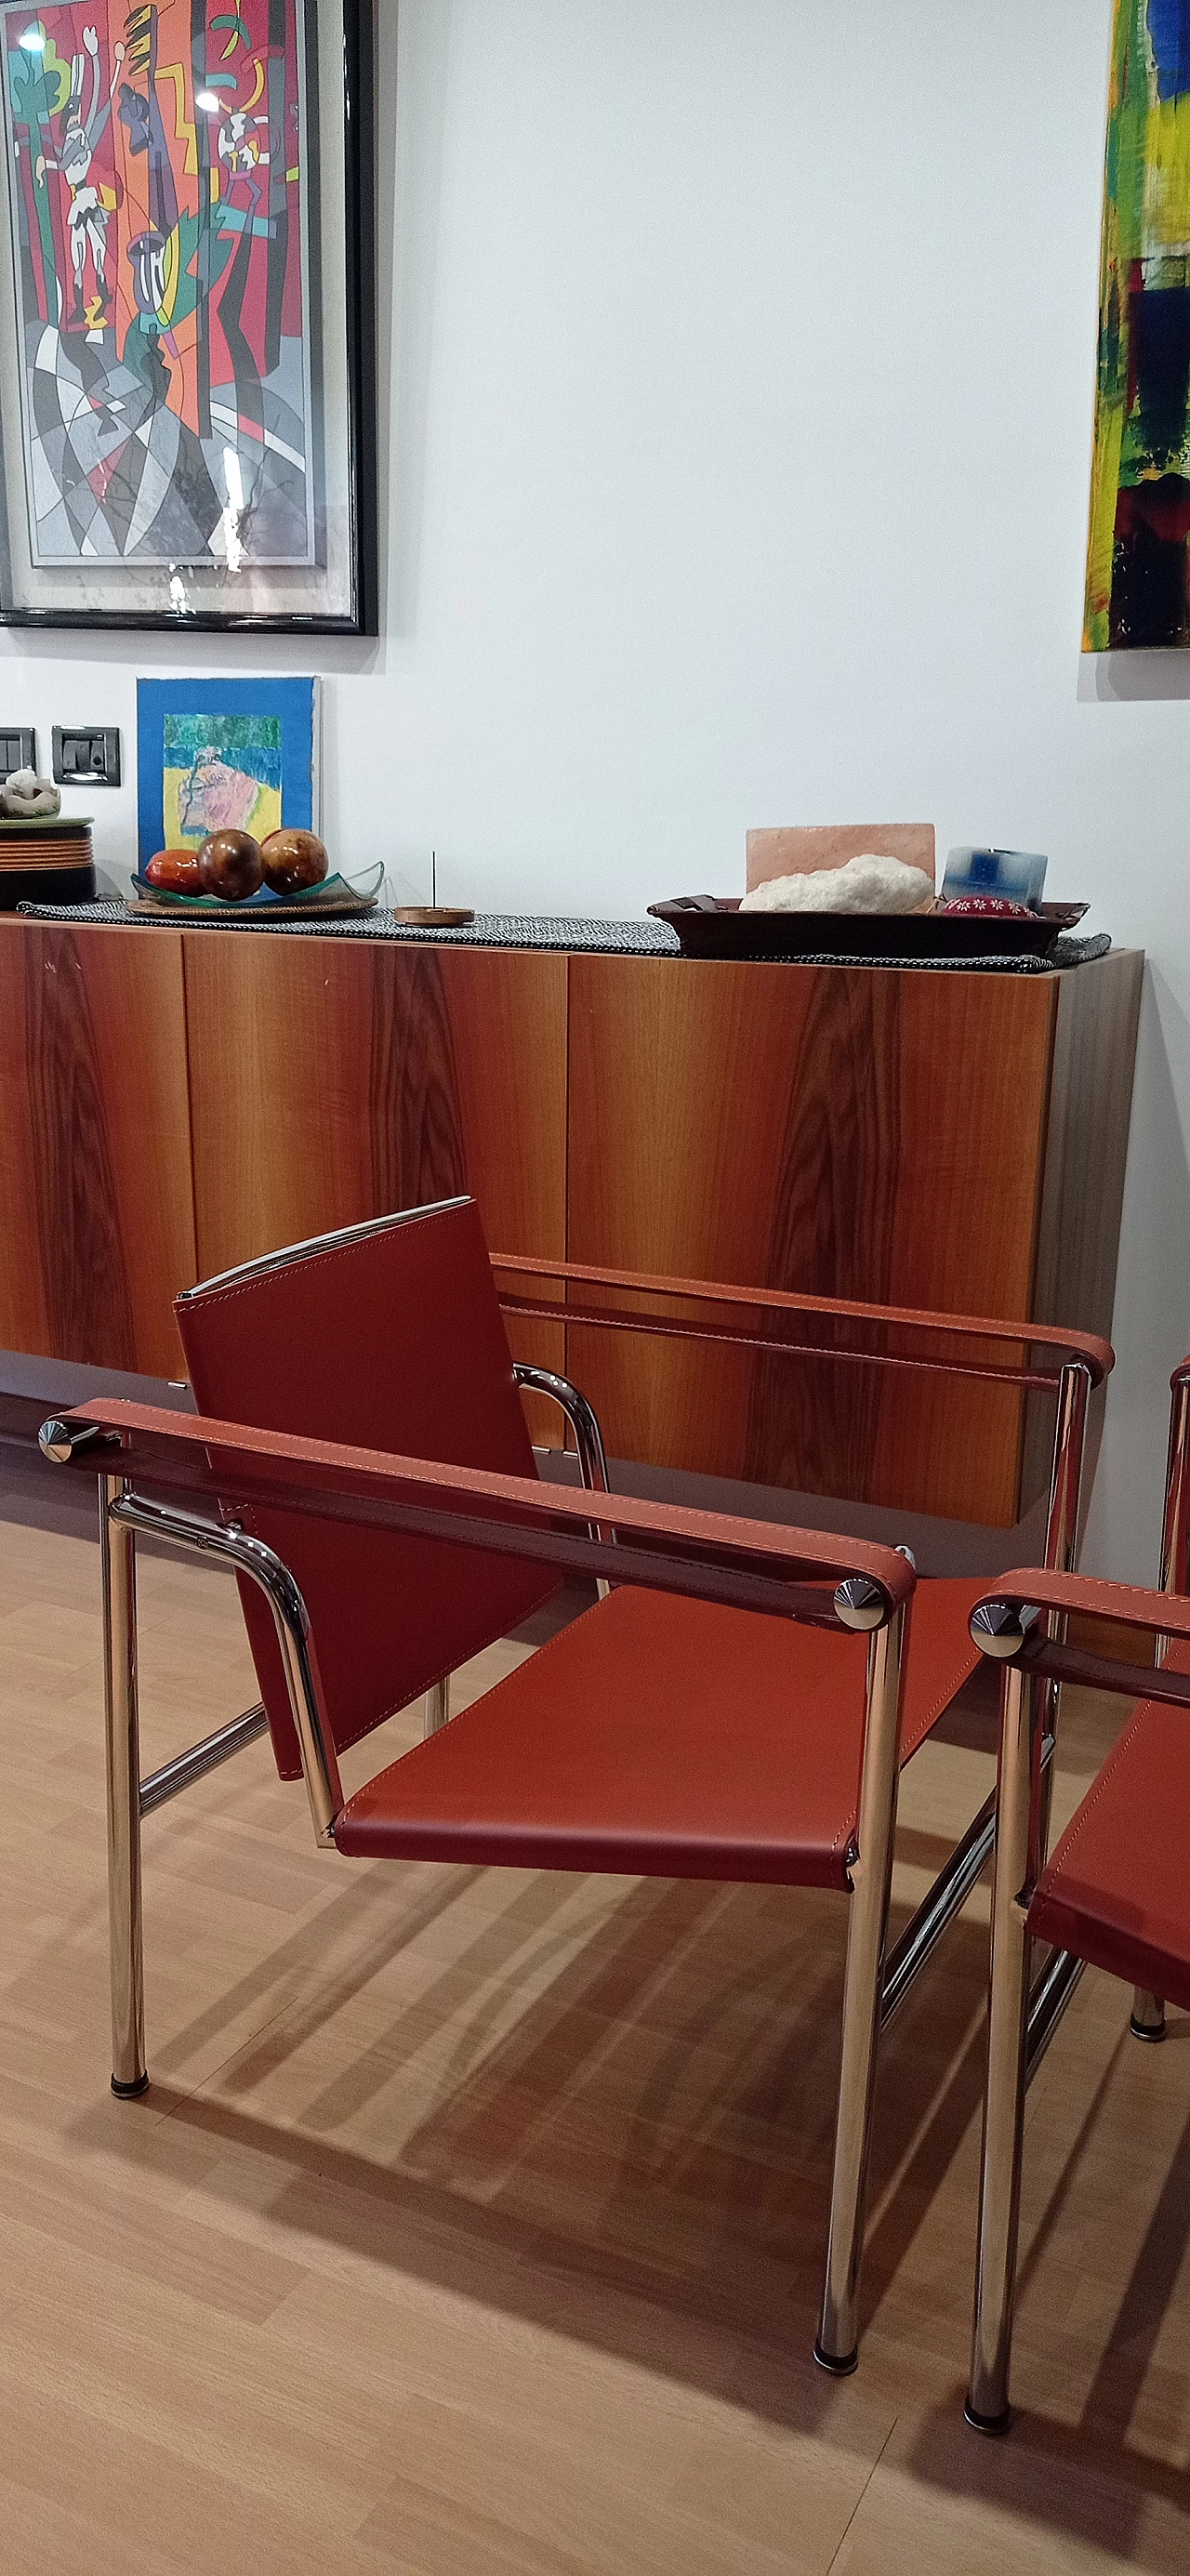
column 433, row 916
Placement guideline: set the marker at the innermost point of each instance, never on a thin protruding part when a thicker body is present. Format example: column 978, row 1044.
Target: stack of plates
column 46, row 859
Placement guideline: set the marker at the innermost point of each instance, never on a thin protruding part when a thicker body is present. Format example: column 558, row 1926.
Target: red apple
column 175, row 871
column 230, row 865
column 293, row 860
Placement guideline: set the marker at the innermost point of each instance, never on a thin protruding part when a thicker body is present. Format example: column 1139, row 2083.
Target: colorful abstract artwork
column 1138, row 565
column 220, row 774
column 224, row 755
column 159, row 195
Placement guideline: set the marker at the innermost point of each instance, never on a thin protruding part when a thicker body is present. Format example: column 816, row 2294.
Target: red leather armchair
column 1114, row 1893
column 737, row 1704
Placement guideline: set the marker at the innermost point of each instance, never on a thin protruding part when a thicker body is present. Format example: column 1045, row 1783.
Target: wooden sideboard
column 173, row 1102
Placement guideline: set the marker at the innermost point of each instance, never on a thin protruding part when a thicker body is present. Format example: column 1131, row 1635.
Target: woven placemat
column 531, row 930
column 488, row 930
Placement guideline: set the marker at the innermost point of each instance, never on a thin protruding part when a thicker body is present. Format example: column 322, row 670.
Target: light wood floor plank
column 473, row 2224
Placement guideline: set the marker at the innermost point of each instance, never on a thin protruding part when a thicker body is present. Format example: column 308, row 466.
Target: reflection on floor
column 474, row 2221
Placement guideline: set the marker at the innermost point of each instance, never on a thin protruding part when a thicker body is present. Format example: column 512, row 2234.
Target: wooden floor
column 474, row 2222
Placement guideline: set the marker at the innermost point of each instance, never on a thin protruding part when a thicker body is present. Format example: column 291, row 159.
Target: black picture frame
column 352, row 291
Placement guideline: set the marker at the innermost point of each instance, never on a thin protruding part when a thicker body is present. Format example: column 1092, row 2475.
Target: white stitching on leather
column 219, row 1296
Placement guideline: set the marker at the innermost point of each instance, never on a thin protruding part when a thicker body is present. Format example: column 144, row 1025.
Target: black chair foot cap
column 130, row 2092
column 991, row 2424
column 839, row 2367
column 1141, row 2030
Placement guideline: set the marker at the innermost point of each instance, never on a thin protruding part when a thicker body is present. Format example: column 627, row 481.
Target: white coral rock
column 867, row 884
column 24, row 793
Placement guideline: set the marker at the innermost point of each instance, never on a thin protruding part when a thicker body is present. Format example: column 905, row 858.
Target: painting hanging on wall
column 186, row 372
column 216, row 755
column 1138, row 563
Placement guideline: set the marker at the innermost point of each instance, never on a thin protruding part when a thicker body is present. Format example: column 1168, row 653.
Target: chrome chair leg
column 436, row 1707
column 122, row 1513
column 588, row 1438
column 1017, row 1802
column 837, row 2348
column 118, row 1554
column 1148, row 2016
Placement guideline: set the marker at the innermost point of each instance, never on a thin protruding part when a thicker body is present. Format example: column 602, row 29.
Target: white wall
column 742, row 361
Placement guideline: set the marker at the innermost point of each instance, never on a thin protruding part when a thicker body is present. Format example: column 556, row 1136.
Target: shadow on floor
column 1083, row 2478
column 652, row 2137
column 642, row 2160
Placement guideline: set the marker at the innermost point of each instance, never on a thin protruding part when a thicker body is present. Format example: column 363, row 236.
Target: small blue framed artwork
column 223, row 755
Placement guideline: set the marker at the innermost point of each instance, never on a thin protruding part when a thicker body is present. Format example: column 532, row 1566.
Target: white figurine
column 25, row 794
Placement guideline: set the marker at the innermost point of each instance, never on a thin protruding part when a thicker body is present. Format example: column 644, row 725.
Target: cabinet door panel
column 844, row 1132
column 98, row 1227
column 337, row 1080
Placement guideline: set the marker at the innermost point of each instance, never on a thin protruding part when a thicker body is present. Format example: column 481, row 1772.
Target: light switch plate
column 87, row 755
column 18, row 749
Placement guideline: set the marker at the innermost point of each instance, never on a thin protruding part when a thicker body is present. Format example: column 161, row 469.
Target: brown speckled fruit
column 293, row 860
column 175, row 871
column 230, row 865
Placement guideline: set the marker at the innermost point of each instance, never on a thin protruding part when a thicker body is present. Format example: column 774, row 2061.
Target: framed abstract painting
column 1138, row 561
column 187, row 315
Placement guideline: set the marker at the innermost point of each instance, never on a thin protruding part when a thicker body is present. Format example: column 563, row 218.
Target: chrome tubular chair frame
column 895, row 1975
column 129, row 1797
column 889, row 1976
column 740, row 1314
column 588, row 1438
column 122, row 1514
column 582, row 1417
column 956, row 1879
column 837, row 2346
column 857, row 1602
column 592, row 1468
column 875, row 1984
column 1019, row 1861
column 1024, row 2012
column 1148, row 2011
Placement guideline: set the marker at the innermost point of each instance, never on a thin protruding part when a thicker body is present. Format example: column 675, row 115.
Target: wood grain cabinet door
column 96, row 1210
column 335, row 1080
column 175, row 1103
column 838, row 1131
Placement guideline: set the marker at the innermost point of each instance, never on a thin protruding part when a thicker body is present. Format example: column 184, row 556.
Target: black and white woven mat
column 533, row 930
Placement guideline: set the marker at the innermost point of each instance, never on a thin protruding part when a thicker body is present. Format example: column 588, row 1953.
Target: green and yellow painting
column 220, row 773
column 1138, row 558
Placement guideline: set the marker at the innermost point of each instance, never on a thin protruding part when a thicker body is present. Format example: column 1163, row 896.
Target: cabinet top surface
column 631, row 942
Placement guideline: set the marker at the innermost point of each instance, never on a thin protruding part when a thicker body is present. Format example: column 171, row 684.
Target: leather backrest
column 389, row 1337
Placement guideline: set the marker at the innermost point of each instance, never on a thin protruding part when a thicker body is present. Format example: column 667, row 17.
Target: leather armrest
column 754, row 1564
column 1097, row 1355
column 1000, row 1631
column 1129, row 1605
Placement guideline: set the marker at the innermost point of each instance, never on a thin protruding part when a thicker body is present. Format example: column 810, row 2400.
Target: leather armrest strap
column 1131, row 1605
column 1156, row 1614
column 1097, row 1354
column 755, row 1564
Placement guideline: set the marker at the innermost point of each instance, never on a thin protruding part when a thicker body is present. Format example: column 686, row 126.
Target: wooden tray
column 713, row 926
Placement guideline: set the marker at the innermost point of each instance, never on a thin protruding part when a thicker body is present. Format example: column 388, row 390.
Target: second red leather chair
column 1114, row 1893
